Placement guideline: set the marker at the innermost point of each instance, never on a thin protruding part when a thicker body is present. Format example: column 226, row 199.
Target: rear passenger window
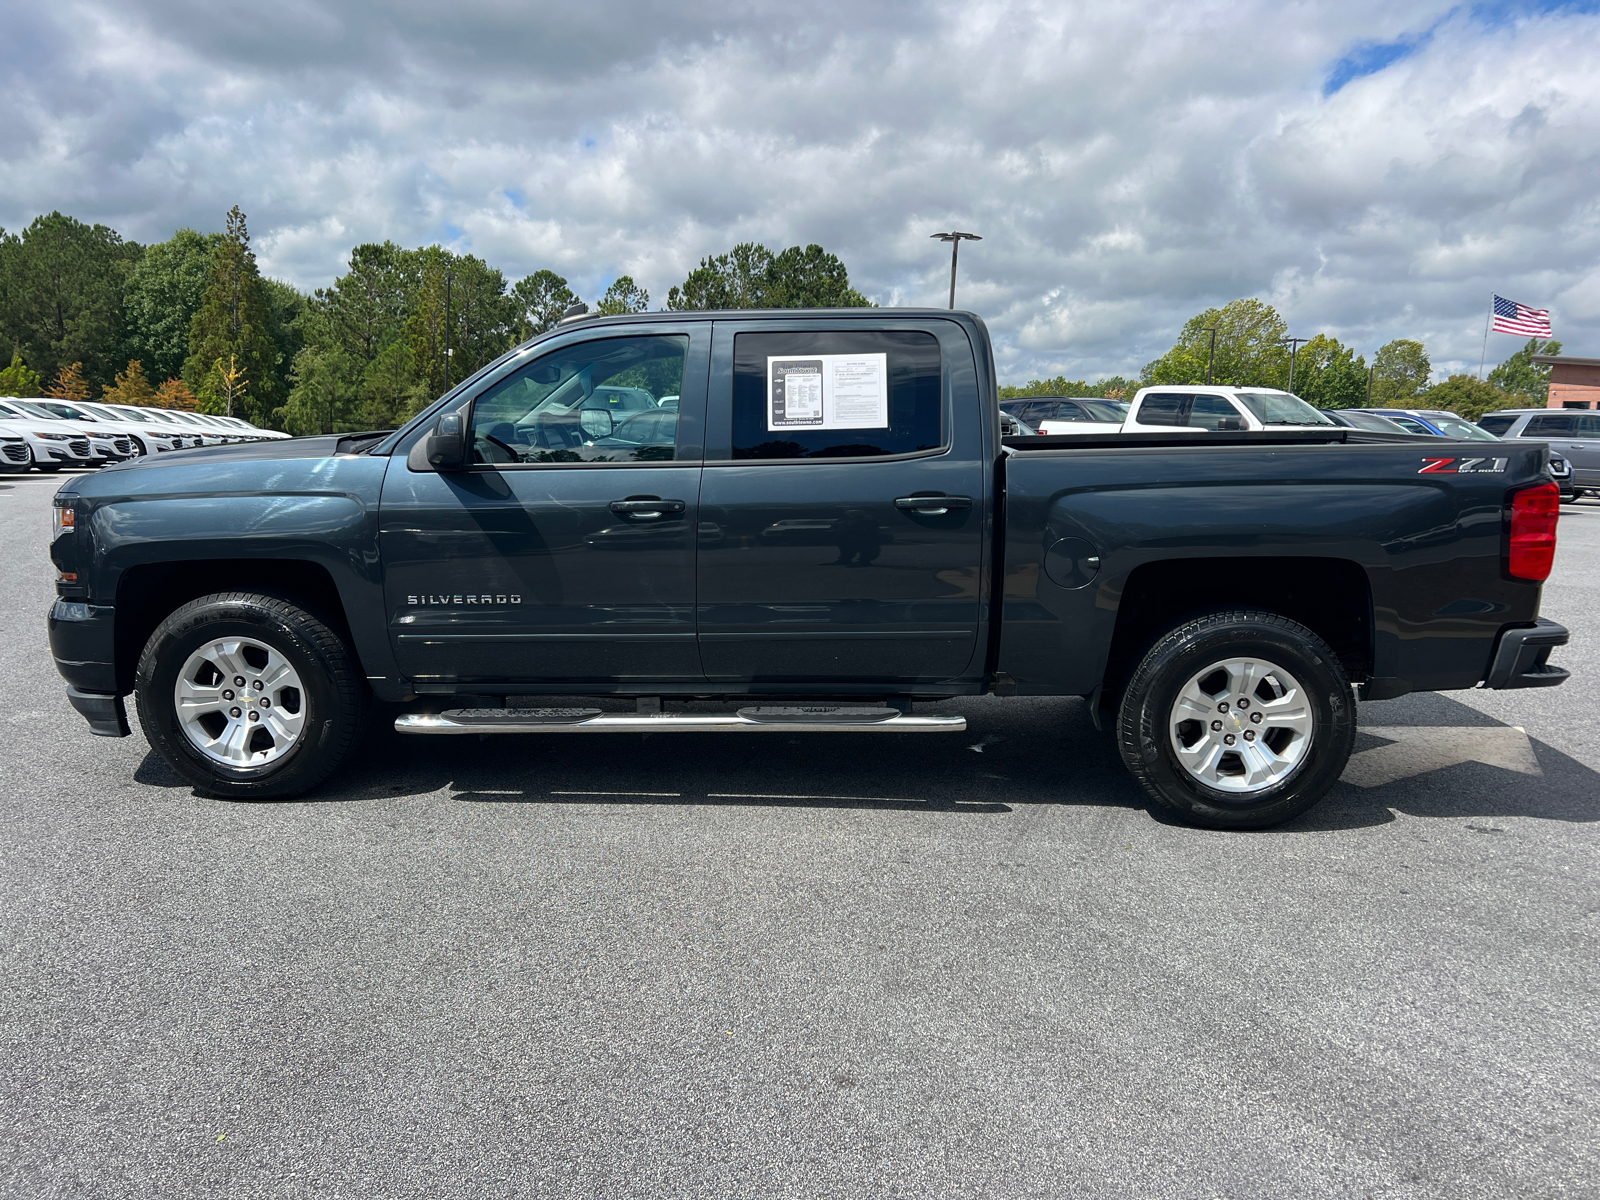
column 1209, row 412
column 1163, row 408
column 836, row 394
column 1497, row 424
column 1588, row 427
column 1543, row 426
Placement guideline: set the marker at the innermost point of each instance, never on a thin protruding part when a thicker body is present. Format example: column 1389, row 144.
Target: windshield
column 1372, row 422
column 65, row 410
column 159, row 416
column 33, row 410
column 1280, row 408
column 121, row 414
column 1107, row 410
column 1459, row 427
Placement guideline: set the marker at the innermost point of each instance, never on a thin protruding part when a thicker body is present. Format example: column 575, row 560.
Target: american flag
column 1511, row 317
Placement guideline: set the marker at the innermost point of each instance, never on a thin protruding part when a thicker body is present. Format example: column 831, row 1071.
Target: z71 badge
column 1463, row 466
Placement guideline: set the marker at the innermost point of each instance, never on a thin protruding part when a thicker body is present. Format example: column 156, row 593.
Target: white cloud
column 1127, row 165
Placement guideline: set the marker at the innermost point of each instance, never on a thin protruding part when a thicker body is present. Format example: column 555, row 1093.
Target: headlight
column 54, row 437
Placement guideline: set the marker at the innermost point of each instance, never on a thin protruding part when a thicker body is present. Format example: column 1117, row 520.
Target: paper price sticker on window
column 828, row 391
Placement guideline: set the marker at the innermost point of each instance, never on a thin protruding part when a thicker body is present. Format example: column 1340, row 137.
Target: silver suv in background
column 1574, row 434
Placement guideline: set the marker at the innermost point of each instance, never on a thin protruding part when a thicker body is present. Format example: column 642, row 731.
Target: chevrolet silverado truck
column 795, row 522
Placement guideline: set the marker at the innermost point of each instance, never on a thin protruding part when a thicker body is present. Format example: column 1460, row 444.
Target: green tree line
column 193, row 323
column 1252, row 349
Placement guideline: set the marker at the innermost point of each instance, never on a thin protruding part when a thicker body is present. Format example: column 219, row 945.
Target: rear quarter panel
column 1430, row 546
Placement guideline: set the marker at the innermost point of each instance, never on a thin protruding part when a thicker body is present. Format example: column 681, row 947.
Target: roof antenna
column 572, row 314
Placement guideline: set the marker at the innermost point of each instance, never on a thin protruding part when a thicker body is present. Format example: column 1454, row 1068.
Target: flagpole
column 1484, row 355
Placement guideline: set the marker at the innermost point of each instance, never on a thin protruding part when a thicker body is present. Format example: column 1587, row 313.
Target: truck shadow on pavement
column 1014, row 754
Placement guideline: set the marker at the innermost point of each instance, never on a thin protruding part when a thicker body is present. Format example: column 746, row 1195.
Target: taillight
column 1533, row 531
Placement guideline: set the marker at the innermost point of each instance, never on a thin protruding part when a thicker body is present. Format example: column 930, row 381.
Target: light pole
column 449, row 278
column 1294, row 349
column 954, row 238
column 1211, row 354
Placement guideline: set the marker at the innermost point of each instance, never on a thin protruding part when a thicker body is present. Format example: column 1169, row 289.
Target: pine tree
column 230, row 333
column 174, row 393
column 18, row 379
column 68, row 383
column 131, row 387
column 623, row 296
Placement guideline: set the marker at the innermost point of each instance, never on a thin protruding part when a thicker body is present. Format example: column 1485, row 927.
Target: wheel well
column 147, row 593
column 1329, row 596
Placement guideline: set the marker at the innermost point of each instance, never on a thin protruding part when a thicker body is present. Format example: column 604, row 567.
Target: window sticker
column 828, row 391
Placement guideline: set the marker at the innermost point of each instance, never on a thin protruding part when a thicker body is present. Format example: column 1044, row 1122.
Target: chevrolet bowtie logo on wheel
column 464, row 599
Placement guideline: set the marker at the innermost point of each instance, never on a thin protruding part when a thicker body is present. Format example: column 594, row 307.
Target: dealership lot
column 839, row 965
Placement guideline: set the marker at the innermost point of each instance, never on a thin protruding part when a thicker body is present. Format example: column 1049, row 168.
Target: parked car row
column 1573, row 437
column 47, row 434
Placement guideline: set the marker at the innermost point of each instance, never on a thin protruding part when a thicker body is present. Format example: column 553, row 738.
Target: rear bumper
column 1520, row 659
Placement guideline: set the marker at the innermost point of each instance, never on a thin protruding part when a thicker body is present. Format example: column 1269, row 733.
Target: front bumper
column 106, row 715
column 1520, row 659
column 83, row 644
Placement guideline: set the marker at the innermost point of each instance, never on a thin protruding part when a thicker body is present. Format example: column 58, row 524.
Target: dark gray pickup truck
column 813, row 517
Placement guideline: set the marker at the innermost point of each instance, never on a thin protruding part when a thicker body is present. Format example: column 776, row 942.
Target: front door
column 843, row 506
column 565, row 553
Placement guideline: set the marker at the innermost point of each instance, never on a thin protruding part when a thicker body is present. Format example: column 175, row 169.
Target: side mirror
column 596, row 422
column 447, row 444
column 1230, row 424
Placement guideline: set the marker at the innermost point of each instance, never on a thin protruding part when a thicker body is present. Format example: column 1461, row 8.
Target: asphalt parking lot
column 724, row 967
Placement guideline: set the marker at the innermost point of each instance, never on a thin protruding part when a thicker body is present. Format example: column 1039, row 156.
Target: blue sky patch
column 1368, row 58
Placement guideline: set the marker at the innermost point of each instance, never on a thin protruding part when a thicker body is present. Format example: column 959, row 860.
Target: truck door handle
column 646, row 508
column 932, row 505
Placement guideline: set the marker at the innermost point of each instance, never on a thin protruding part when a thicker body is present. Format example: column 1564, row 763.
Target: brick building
column 1574, row 382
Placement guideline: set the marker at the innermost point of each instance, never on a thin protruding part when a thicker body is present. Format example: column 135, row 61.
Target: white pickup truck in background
column 1165, row 409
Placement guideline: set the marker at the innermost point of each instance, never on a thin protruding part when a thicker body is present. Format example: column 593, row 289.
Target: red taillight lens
column 1533, row 531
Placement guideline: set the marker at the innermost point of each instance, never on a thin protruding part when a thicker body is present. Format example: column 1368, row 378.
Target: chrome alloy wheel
column 1241, row 725
column 240, row 703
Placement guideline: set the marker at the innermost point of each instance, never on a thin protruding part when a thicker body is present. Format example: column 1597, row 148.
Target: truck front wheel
column 1237, row 720
column 245, row 695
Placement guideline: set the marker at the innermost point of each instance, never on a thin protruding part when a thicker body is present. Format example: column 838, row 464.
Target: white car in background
column 256, row 431
column 195, row 433
column 1066, row 414
column 54, row 443
column 1201, row 409
column 144, row 438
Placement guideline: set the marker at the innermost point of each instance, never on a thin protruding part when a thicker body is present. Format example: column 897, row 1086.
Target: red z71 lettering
column 1438, row 466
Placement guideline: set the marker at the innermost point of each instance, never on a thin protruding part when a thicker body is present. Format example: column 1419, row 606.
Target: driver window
column 1212, row 412
column 609, row 400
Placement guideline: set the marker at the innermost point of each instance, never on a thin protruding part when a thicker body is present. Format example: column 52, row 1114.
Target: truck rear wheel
column 1237, row 720
column 246, row 695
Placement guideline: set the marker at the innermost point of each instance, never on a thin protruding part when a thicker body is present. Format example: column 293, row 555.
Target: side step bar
column 746, row 720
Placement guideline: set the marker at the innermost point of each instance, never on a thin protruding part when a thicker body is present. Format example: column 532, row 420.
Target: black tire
column 334, row 693
column 46, row 468
column 1146, row 743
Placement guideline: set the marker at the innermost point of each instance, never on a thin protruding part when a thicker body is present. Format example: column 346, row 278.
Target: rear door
column 1583, row 449
column 565, row 554
column 843, row 504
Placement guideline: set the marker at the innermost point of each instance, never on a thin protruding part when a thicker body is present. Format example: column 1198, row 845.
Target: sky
column 1375, row 170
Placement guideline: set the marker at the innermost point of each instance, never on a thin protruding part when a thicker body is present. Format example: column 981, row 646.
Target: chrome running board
column 804, row 719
